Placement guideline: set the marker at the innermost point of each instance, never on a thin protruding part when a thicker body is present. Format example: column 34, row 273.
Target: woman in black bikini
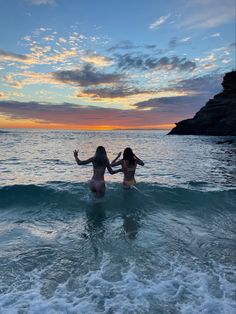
column 100, row 163
column 129, row 164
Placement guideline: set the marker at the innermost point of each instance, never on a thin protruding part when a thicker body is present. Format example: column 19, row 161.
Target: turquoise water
column 166, row 246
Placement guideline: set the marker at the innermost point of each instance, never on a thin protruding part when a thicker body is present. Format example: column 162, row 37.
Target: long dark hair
column 100, row 157
column 129, row 155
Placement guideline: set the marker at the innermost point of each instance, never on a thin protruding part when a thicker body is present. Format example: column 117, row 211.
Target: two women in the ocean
column 101, row 162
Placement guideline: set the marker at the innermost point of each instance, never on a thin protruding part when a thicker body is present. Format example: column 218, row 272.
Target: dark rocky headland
column 217, row 117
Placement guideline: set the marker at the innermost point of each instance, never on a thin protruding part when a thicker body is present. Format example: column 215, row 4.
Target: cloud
column 198, row 91
column 112, row 92
column 226, row 61
column 62, row 40
column 20, row 79
column 87, row 76
column 150, row 46
column 184, row 40
column 13, row 57
column 46, row 47
column 129, row 45
column 149, row 113
column 96, row 59
column 123, row 45
column 147, row 62
column 215, row 35
column 49, row 38
column 27, row 38
column 68, row 114
column 209, row 14
column 210, row 58
column 44, row 55
column 174, row 42
column 42, row 2
column 7, row 95
column 159, row 22
column 207, row 85
column 12, row 81
column 39, row 55
column 233, row 45
column 186, row 105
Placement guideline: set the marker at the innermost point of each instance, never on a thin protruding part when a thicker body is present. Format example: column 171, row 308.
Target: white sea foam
column 178, row 289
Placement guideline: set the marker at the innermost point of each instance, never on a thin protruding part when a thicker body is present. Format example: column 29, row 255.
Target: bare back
column 129, row 170
column 98, row 172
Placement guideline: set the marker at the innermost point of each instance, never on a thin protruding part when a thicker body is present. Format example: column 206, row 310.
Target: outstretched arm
column 139, row 161
column 111, row 171
column 115, row 162
column 81, row 162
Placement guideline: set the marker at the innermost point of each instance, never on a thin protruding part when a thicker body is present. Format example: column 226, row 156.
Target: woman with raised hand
column 129, row 164
column 100, row 164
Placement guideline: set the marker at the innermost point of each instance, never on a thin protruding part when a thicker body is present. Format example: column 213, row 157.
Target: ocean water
column 165, row 246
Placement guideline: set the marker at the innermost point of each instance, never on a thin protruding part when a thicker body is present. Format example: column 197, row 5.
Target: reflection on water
column 96, row 216
column 131, row 226
column 41, row 156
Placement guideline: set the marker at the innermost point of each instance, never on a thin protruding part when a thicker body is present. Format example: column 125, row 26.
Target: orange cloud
column 7, row 123
column 14, row 57
column 97, row 60
column 70, row 116
column 39, row 56
column 20, row 79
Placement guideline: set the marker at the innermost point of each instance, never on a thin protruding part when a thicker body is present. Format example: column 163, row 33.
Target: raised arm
column 139, row 161
column 111, row 171
column 81, row 162
column 115, row 163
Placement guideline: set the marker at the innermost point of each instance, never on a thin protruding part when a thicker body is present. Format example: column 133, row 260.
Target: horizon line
column 92, row 129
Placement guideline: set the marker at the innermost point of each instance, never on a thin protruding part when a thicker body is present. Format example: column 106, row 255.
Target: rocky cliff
column 217, row 117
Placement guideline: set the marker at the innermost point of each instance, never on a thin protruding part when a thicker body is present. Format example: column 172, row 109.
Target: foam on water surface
column 179, row 288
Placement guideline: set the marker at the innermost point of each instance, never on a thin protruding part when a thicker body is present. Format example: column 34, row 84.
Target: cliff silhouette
column 217, row 117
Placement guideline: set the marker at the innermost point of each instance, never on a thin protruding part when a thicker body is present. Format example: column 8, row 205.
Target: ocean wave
column 178, row 289
column 143, row 196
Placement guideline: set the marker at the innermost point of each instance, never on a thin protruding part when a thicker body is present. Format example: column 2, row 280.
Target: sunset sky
column 82, row 64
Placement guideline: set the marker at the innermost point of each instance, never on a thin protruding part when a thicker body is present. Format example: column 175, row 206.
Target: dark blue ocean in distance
column 165, row 246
